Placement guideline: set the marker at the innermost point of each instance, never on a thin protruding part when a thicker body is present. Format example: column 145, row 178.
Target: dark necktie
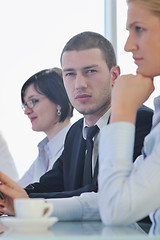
column 87, row 175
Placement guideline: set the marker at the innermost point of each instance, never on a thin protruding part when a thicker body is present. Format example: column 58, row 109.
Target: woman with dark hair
column 45, row 102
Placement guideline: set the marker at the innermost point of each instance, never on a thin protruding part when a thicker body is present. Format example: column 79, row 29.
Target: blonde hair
column 152, row 5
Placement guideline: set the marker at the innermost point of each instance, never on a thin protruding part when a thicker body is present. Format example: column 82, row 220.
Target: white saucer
column 23, row 224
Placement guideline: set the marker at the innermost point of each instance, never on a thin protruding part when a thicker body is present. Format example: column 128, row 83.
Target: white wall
column 33, row 33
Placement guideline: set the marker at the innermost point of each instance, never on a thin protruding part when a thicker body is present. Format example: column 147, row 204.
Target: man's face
column 88, row 81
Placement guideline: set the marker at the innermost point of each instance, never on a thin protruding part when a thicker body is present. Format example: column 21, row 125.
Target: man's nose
column 80, row 81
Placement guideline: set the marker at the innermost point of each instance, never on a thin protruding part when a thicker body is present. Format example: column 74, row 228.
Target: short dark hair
column 88, row 40
column 49, row 82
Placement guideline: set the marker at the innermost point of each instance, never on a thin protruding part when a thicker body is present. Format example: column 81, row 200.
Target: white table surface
column 94, row 230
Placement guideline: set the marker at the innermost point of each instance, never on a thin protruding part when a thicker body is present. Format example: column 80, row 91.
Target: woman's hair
column 152, row 5
column 49, row 82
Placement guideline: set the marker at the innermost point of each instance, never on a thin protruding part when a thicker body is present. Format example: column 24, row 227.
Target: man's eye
column 91, row 71
column 69, row 74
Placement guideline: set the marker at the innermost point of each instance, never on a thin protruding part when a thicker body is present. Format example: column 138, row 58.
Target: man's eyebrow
column 91, row 66
column 83, row 68
column 68, row 69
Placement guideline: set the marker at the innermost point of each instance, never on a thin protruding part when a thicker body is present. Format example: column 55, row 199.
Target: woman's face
column 43, row 115
column 144, row 39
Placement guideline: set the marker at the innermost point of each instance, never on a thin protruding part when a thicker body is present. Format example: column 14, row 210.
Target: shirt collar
column 100, row 123
column 55, row 140
column 157, row 103
column 43, row 142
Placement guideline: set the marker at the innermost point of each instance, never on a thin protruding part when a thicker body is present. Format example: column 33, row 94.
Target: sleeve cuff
column 66, row 209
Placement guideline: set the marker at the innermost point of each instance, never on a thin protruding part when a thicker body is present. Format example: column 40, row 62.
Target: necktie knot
column 91, row 132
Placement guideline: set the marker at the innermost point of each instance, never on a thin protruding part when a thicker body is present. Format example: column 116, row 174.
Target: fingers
column 129, row 93
column 7, row 181
column 2, row 211
column 13, row 192
column 10, row 188
column 2, row 208
column 2, row 203
column 7, row 191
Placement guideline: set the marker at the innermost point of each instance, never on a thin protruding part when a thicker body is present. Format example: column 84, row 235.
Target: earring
column 58, row 112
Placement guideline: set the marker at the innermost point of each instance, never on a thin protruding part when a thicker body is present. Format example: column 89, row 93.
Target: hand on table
column 11, row 190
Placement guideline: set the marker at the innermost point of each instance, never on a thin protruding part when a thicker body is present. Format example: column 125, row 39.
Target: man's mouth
column 83, row 97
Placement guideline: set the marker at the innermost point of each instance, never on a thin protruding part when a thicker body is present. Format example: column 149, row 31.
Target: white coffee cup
column 32, row 208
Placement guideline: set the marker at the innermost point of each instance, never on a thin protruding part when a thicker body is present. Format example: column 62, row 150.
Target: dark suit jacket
column 66, row 177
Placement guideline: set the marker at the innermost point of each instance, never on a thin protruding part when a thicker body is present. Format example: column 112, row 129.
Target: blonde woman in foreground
column 128, row 192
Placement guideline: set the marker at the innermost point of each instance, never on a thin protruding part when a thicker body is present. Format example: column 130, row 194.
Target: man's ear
column 115, row 72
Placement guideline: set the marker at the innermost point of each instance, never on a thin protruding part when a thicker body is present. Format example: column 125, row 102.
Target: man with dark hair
column 89, row 72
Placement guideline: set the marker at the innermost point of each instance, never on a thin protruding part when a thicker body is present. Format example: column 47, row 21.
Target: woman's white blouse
column 129, row 192
column 49, row 152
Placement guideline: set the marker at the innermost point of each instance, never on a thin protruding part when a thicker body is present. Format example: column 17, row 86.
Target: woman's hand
column 128, row 94
column 11, row 190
